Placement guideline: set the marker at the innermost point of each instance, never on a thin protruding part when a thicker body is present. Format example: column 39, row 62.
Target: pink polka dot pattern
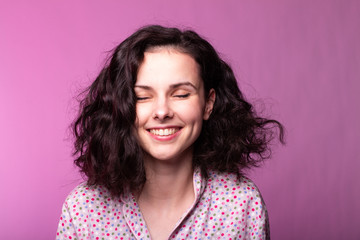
column 225, row 208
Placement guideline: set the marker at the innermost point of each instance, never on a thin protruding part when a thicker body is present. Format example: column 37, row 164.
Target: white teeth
column 163, row 132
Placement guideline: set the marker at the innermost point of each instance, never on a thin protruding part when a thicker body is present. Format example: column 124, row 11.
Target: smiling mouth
column 164, row 131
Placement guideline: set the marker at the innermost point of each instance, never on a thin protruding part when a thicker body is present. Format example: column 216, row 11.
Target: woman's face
column 171, row 104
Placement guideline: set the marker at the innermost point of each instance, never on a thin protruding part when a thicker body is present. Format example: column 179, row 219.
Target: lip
column 164, row 137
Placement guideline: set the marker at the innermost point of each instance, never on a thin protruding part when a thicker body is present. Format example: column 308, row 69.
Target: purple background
column 299, row 60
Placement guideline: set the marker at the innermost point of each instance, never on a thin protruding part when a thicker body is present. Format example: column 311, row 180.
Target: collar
column 135, row 220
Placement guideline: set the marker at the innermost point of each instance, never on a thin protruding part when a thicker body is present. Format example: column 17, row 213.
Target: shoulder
column 233, row 191
column 84, row 205
column 231, row 183
column 84, row 194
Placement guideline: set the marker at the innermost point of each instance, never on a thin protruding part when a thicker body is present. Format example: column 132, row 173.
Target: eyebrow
column 172, row 86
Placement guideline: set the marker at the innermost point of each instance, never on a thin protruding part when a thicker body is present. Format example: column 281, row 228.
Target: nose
column 162, row 109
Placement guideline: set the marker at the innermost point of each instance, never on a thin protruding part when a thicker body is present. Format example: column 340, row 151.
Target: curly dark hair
column 232, row 139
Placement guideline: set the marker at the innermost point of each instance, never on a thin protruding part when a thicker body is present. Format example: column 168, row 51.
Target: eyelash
column 178, row 96
column 141, row 98
column 182, row 95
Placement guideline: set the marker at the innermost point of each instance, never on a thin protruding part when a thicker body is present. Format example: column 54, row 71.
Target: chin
column 166, row 155
column 162, row 157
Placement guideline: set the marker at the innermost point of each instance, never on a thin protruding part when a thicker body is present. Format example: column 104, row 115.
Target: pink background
column 300, row 60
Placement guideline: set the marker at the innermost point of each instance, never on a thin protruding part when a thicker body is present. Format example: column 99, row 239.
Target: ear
column 210, row 100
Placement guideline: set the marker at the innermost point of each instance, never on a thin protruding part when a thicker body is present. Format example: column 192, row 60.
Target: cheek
column 142, row 113
column 192, row 111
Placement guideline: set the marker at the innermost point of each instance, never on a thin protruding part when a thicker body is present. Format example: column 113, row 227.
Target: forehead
column 163, row 65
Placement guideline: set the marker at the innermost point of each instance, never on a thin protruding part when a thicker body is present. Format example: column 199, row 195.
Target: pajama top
column 225, row 207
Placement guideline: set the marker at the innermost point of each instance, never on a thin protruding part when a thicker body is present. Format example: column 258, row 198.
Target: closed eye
column 141, row 98
column 182, row 95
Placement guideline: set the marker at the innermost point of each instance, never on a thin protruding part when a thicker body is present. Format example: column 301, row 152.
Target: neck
column 167, row 182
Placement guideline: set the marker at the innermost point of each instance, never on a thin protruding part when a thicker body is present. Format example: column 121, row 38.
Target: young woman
column 163, row 137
